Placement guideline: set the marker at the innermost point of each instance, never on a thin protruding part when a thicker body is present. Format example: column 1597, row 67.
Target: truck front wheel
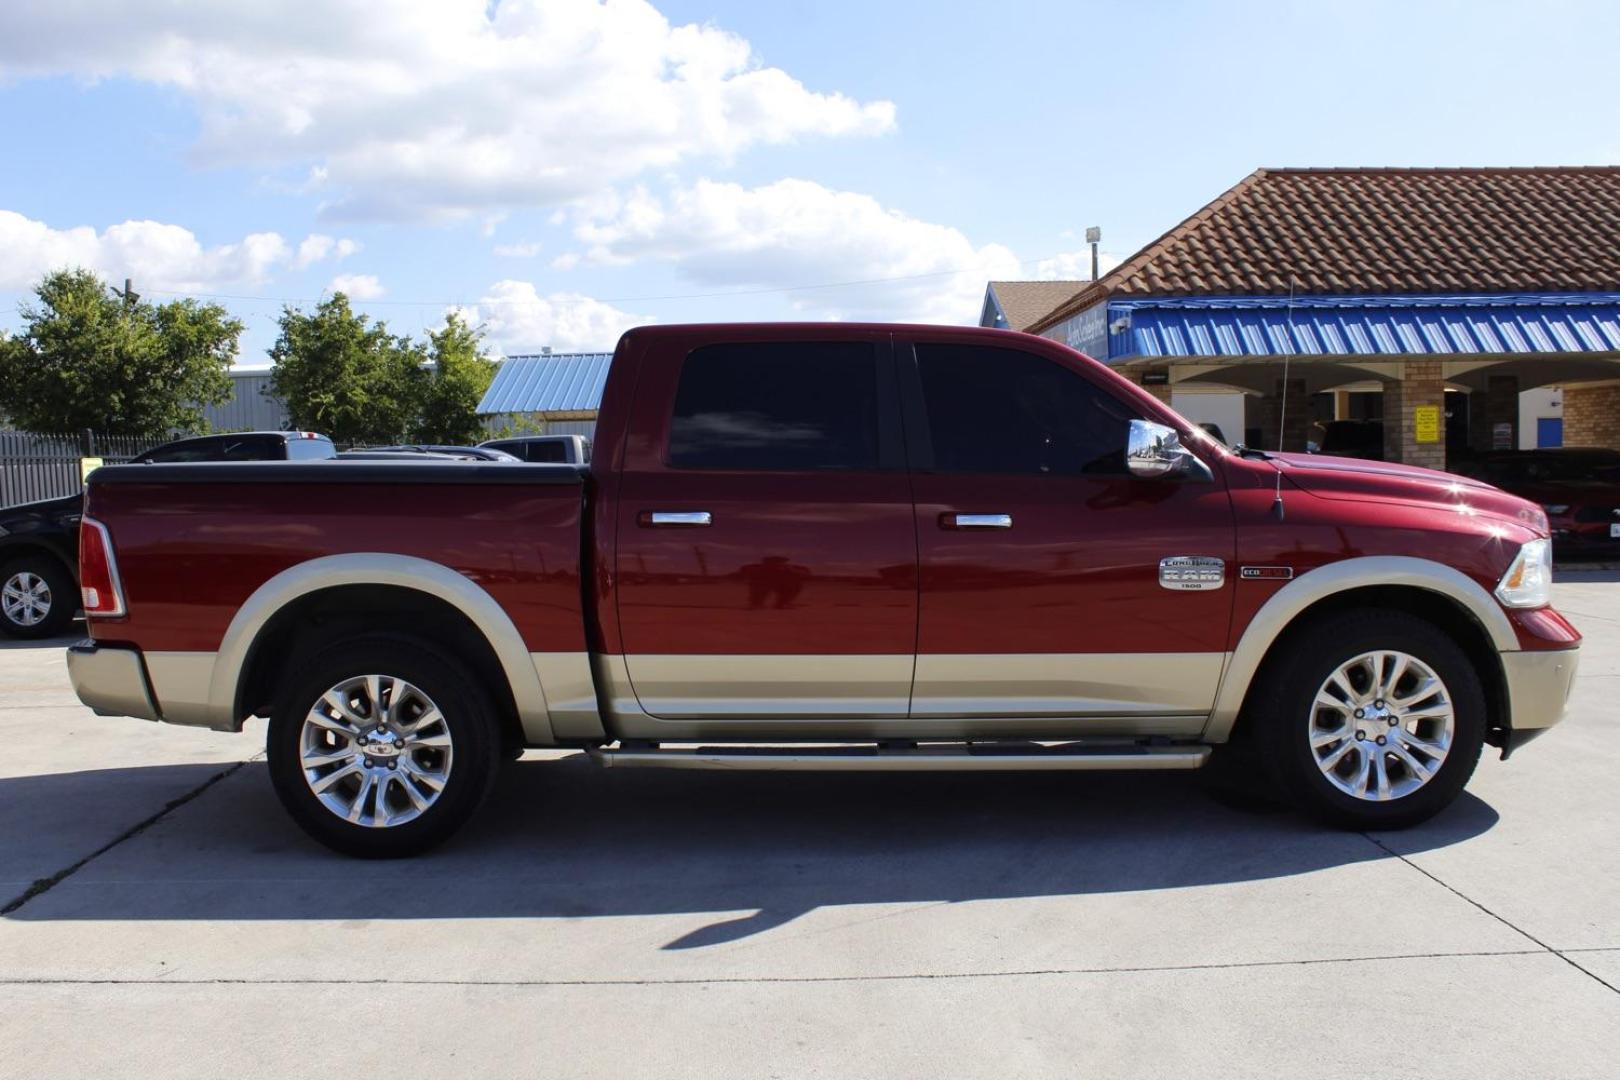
column 1372, row 720
column 380, row 748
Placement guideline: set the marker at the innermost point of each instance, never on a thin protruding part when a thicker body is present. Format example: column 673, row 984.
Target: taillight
column 99, row 586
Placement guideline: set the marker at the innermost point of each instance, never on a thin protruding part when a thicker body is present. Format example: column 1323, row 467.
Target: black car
column 39, row 542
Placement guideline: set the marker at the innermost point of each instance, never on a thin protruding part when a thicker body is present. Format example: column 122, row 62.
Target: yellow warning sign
column 87, row 465
column 1426, row 423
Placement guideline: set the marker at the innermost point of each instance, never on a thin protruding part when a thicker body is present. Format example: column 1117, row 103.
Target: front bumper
column 1538, row 686
column 111, row 681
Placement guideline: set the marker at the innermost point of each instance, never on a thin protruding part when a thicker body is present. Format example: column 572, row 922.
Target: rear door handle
column 677, row 519
column 975, row 521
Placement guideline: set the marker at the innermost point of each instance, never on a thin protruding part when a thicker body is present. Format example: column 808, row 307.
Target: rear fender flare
column 378, row 568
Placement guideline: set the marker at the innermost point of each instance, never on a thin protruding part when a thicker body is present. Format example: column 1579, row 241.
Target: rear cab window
column 777, row 406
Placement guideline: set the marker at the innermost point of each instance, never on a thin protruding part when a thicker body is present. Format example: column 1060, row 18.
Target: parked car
column 1353, row 438
column 39, row 541
column 463, row 453
column 1578, row 488
column 546, row 449
column 832, row 546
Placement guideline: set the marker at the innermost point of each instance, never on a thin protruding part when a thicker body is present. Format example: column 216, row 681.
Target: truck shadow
column 564, row 839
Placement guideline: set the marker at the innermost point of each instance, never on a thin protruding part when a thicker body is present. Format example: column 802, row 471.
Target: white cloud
column 517, row 318
column 421, row 108
column 1074, row 265
column 158, row 256
column 796, row 233
column 518, row 251
column 317, row 246
column 358, row 286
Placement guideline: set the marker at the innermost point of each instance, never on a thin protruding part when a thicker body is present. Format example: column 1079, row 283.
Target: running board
column 981, row 757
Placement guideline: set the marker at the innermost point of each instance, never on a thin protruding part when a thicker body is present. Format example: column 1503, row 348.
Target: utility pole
column 1093, row 237
column 129, row 295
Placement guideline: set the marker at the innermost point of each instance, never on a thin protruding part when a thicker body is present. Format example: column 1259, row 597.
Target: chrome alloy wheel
column 1381, row 726
column 25, row 598
column 375, row 751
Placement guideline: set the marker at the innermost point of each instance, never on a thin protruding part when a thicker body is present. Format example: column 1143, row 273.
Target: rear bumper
column 111, row 681
column 1538, row 686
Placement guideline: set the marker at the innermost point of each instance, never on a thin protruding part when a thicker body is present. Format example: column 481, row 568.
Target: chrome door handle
column 976, row 521
column 677, row 518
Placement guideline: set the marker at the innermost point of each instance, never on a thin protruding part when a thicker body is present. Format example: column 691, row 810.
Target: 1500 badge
column 1192, row 573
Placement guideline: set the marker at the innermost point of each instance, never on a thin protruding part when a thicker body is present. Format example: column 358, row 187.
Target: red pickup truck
column 831, row 547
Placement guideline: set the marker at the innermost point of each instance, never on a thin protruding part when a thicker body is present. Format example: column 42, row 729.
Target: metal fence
column 34, row 467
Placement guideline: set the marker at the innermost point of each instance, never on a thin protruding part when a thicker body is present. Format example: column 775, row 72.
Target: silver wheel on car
column 376, row 751
column 1381, row 725
column 26, row 599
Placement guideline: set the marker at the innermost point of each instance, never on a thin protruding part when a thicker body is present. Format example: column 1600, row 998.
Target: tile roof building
column 1450, row 289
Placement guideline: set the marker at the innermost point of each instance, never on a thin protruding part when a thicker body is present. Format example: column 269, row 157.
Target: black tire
column 62, row 595
column 1282, row 710
column 469, row 719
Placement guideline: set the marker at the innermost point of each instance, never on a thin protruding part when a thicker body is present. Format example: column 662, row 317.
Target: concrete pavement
column 640, row 923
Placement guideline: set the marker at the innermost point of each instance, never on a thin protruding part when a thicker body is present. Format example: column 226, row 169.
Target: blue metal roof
column 561, row 382
column 1233, row 327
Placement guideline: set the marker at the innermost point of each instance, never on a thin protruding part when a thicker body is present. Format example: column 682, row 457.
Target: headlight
column 1558, row 508
column 1528, row 581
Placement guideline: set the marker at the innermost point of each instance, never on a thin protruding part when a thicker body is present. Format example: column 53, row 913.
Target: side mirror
column 1153, row 450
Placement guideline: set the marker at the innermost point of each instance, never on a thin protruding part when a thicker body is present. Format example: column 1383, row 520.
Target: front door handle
column 676, row 519
column 975, row 521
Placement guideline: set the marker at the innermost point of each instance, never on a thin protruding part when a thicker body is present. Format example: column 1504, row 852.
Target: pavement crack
column 1237, row 965
column 46, row 884
column 1504, row 920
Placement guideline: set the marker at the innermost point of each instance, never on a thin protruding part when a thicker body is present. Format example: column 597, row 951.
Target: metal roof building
column 251, row 407
column 562, row 390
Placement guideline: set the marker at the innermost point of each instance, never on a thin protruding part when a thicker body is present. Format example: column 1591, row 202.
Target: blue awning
column 1233, row 328
column 564, row 382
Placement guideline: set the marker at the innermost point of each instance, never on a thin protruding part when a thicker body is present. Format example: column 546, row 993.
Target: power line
column 595, row 299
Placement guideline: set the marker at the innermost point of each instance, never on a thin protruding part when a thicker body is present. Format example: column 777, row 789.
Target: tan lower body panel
column 854, row 697
column 1066, row 684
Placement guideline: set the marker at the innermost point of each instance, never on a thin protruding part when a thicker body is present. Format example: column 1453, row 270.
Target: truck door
column 766, row 551
column 1042, row 593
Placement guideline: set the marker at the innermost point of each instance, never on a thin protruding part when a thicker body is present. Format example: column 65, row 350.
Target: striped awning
column 1233, row 328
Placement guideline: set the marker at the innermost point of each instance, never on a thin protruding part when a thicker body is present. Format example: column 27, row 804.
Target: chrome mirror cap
column 1154, row 450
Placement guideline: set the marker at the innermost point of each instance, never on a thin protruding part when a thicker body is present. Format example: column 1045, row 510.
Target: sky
column 562, row 170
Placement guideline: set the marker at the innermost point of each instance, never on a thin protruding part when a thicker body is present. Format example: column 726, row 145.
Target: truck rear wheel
column 1374, row 720
column 380, row 748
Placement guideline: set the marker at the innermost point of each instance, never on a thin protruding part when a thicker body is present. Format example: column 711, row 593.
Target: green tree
column 457, row 383
column 345, row 376
column 85, row 358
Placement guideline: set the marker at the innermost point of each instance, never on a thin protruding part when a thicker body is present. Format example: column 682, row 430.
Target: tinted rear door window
column 1006, row 411
column 779, row 406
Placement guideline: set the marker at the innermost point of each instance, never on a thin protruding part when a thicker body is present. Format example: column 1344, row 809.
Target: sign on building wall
column 1085, row 330
column 1426, row 424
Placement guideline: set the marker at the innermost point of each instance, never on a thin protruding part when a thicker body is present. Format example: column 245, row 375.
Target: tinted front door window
column 1010, row 412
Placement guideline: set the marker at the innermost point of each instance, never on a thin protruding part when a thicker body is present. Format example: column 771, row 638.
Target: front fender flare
column 1319, row 584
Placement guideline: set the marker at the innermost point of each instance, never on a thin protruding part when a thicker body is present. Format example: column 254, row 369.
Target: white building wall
column 1542, row 402
column 1202, row 407
column 250, row 407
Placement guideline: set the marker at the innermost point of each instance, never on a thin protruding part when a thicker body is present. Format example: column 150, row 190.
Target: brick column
column 1419, row 385
column 1497, row 404
column 1297, row 420
column 1592, row 416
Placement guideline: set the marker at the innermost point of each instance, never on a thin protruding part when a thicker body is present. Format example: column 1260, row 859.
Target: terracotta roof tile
column 1354, row 231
